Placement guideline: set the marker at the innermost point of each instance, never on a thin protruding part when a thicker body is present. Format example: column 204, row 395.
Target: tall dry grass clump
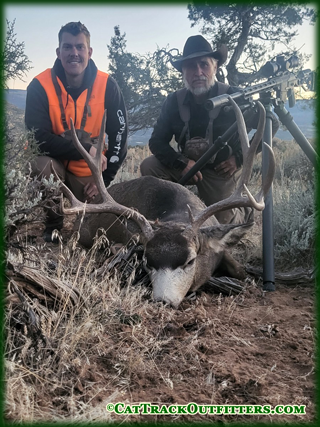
column 294, row 207
column 131, row 166
column 53, row 344
column 294, row 212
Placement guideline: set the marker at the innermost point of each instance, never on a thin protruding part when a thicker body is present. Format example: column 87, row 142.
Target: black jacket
column 170, row 124
column 37, row 118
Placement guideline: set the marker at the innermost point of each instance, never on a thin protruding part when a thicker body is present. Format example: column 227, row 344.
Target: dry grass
column 130, row 167
column 65, row 338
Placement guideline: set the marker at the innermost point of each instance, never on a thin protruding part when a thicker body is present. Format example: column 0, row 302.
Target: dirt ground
column 255, row 348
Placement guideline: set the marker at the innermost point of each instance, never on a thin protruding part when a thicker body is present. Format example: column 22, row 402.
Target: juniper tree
column 14, row 61
column 144, row 80
column 251, row 32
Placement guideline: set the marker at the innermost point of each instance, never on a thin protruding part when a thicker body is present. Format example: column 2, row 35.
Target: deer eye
column 190, row 263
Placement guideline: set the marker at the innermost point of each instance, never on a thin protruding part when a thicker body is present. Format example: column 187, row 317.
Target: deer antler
column 238, row 199
column 108, row 203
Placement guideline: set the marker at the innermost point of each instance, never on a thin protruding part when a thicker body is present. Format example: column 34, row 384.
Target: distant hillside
column 15, row 118
column 302, row 113
column 16, row 97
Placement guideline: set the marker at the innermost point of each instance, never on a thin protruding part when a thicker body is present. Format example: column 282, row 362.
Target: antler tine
column 248, row 150
column 261, row 126
column 94, row 163
column 237, row 199
column 242, row 130
column 108, row 204
column 191, row 217
column 101, row 137
column 66, row 191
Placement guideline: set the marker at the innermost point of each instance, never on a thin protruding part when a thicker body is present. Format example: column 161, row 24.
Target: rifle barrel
column 220, row 100
column 273, row 82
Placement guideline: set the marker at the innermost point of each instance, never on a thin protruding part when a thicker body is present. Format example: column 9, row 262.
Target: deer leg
column 230, row 267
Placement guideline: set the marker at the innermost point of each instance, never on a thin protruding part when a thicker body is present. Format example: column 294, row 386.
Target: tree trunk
column 233, row 74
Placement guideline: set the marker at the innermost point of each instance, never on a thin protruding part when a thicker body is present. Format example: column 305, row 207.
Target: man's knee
column 146, row 167
column 214, row 187
column 231, row 216
column 152, row 166
column 77, row 184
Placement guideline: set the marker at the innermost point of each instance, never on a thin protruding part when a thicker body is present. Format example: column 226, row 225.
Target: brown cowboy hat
column 198, row 46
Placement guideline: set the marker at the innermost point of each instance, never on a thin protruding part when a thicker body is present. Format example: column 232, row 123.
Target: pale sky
column 146, row 26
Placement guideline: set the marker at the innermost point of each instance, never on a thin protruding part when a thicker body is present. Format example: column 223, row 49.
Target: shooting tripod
column 267, row 215
column 284, row 85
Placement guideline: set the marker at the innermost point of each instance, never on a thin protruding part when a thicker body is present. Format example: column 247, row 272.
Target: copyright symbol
column 110, row 407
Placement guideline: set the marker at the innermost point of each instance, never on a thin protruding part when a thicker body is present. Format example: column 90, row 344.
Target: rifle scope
column 272, row 68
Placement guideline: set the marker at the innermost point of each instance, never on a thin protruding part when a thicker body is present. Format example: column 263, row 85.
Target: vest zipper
column 75, row 113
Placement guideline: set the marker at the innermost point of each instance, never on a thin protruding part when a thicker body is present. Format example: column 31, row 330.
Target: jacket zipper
column 75, row 113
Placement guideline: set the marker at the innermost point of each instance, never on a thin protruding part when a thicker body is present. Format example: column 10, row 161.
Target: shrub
column 294, row 214
column 294, row 206
column 292, row 162
column 24, row 195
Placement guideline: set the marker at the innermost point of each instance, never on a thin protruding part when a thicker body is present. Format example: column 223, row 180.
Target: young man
column 75, row 88
column 185, row 117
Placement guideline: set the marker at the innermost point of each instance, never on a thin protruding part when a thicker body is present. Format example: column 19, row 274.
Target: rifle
column 275, row 91
column 283, row 83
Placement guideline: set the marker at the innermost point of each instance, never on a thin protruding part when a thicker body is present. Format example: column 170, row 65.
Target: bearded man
column 184, row 117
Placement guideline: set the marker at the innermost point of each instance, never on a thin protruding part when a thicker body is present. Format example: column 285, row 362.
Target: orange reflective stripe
column 75, row 109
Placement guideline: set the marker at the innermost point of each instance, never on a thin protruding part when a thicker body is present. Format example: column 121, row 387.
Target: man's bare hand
column 197, row 177
column 90, row 191
column 227, row 168
column 92, row 153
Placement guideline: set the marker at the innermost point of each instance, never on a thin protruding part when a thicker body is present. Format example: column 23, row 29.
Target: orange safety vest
column 75, row 109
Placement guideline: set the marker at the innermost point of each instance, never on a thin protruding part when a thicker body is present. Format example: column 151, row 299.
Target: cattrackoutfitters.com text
column 193, row 408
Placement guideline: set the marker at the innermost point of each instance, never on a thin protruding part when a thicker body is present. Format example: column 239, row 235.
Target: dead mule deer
column 183, row 242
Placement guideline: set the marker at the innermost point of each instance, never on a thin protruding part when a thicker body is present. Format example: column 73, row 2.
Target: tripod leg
column 286, row 119
column 267, row 216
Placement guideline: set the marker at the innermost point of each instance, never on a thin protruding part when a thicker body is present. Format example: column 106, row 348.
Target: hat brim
column 220, row 54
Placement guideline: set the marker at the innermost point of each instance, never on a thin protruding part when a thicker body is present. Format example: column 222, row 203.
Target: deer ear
column 226, row 235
